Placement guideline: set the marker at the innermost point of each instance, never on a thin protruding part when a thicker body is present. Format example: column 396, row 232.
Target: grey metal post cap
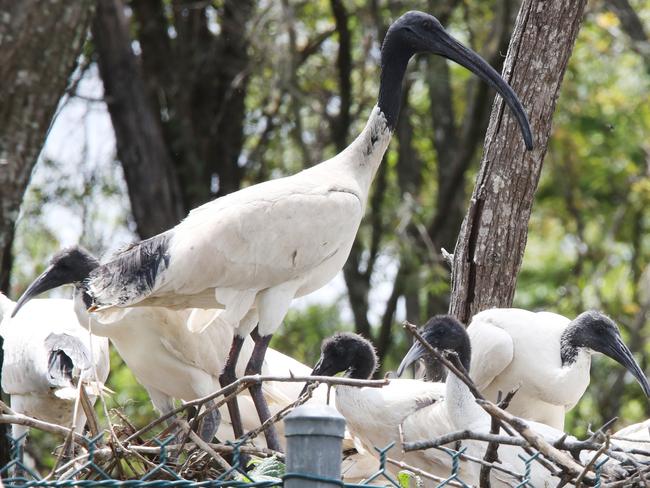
column 314, row 420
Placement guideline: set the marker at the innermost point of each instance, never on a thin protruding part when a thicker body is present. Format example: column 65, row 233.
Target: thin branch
column 246, row 381
column 536, row 440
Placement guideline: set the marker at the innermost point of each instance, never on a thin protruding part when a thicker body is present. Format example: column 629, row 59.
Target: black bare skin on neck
column 590, row 329
column 395, row 55
column 348, row 352
column 444, row 332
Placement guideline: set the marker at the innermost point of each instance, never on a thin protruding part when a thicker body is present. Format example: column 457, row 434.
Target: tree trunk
column 40, row 42
column 153, row 188
column 491, row 243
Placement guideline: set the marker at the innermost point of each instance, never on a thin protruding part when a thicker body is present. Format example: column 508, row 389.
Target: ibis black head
column 346, row 352
column 70, row 265
column 418, row 32
column 596, row 331
column 349, row 353
column 442, row 332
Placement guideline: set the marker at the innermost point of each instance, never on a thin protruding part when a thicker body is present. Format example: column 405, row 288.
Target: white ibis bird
column 260, row 247
column 373, row 415
column 459, row 411
column 178, row 363
column 546, row 355
column 46, row 353
column 171, row 362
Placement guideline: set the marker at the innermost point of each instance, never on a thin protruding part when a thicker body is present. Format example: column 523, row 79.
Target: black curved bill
column 416, row 352
column 48, row 280
column 450, row 48
column 620, row 353
column 319, row 370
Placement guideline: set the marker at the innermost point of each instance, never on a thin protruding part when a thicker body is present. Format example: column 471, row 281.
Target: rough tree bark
column 40, row 42
column 493, row 235
column 153, row 187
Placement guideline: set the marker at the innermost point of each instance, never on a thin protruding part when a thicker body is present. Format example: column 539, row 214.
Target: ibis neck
column 461, row 404
column 394, row 59
column 569, row 345
column 361, row 159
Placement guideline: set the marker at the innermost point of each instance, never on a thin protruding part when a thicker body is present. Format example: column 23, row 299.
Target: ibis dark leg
column 229, row 376
column 255, row 367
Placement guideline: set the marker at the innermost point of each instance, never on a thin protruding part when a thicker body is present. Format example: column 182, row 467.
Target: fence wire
column 87, row 471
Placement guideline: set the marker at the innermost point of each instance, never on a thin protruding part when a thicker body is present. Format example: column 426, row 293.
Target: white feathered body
column 635, row 436
column 25, row 374
column 374, row 415
column 260, row 246
column 514, row 347
column 171, row 362
column 458, row 411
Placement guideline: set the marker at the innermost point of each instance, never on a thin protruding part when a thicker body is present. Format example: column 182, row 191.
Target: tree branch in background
column 341, row 125
column 493, row 236
column 148, row 169
column 633, row 27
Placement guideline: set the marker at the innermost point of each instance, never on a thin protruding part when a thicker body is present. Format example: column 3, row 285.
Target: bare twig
column 420, row 472
column 246, row 381
column 204, row 445
column 537, row 441
column 20, row 419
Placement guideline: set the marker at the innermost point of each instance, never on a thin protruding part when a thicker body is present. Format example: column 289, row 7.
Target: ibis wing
column 492, row 352
column 239, row 243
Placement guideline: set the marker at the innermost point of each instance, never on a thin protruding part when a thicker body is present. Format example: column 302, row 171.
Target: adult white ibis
column 547, row 355
column 264, row 245
column 171, row 362
column 46, row 353
column 178, row 363
column 459, row 411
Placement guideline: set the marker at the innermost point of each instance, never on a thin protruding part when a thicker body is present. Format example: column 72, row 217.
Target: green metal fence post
column 314, row 435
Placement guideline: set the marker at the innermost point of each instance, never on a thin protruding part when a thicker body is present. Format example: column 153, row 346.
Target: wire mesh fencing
column 174, row 462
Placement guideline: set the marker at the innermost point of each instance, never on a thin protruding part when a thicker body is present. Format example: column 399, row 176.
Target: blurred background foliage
column 588, row 245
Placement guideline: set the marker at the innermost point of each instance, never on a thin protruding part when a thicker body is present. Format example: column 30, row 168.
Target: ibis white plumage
column 546, row 355
column 260, row 247
column 459, row 411
column 171, row 362
column 373, row 415
column 46, row 353
column 635, row 438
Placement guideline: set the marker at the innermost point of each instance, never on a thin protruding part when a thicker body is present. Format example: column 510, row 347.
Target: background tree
column 492, row 240
column 35, row 67
column 303, row 83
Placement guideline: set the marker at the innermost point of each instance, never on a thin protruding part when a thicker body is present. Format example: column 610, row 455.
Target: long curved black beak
column 416, row 352
column 48, row 279
column 445, row 45
column 319, row 370
column 620, row 353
